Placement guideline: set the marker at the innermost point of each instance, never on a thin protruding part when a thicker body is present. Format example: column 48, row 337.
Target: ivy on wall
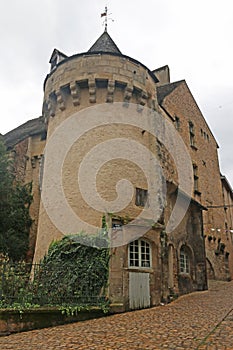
column 72, row 276
column 75, row 268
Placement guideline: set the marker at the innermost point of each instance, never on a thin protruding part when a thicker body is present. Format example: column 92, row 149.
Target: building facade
column 146, row 265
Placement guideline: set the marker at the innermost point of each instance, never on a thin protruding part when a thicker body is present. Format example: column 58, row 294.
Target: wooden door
column 139, row 290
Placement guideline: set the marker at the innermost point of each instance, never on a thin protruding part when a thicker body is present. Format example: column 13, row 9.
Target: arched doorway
column 139, row 259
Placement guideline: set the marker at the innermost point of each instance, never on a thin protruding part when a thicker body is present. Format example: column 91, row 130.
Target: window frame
column 196, row 189
column 141, row 253
column 184, row 262
column 141, row 197
column 192, row 135
column 177, row 123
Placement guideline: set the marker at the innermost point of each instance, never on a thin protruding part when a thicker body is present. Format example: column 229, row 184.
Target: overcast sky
column 193, row 37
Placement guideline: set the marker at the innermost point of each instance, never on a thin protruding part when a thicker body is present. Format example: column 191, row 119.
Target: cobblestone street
column 201, row 320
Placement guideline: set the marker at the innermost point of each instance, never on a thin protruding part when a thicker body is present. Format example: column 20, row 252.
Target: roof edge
column 30, row 128
column 175, row 85
column 228, row 185
column 85, row 54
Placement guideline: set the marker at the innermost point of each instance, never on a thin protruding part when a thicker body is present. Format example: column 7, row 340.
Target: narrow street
column 201, row 320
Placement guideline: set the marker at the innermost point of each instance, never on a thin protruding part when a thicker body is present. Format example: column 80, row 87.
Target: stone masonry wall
column 180, row 104
column 83, row 82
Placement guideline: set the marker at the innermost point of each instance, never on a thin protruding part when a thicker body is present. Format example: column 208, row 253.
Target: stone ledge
column 14, row 321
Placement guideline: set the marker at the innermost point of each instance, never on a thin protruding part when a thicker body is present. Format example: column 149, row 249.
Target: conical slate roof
column 104, row 44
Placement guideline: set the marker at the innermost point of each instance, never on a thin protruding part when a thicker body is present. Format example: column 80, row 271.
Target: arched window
column 184, row 260
column 139, row 254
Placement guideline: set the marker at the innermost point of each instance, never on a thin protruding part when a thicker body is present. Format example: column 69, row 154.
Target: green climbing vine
column 73, row 276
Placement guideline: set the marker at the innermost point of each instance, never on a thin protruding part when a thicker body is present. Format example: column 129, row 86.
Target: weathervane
column 106, row 15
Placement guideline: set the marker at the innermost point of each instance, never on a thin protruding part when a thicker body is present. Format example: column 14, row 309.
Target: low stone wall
column 13, row 321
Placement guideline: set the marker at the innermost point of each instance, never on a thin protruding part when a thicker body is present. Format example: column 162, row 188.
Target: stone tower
column 101, row 75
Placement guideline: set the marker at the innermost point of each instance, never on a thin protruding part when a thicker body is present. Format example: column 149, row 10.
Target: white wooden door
column 139, row 290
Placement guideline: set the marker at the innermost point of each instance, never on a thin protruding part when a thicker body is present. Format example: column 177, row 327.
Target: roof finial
column 105, row 14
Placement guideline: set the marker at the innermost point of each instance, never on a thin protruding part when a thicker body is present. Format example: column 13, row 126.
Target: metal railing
column 36, row 284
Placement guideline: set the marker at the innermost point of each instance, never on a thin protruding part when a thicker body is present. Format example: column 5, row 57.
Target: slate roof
column 30, row 128
column 56, row 53
column 104, row 44
column 164, row 90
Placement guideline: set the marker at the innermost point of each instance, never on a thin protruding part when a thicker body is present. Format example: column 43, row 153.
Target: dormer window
column 56, row 57
column 53, row 63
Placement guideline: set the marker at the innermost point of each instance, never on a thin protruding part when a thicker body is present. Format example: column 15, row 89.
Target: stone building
column 102, row 95
column 178, row 102
column 225, row 243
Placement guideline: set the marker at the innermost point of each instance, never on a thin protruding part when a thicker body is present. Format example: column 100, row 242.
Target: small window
column 54, row 62
column 191, row 134
column 141, row 197
column 139, row 254
column 43, row 136
column 184, row 261
column 177, row 123
column 191, row 127
column 41, row 172
column 195, row 178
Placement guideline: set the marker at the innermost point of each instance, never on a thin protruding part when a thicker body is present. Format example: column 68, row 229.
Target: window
column 205, row 135
column 54, row 62
column 177, row 123
column 141, row 197
column 43, row 136
column 195, row 179
column 139, row 254
column 41, row 171
column 191, row 134
column 184, row 261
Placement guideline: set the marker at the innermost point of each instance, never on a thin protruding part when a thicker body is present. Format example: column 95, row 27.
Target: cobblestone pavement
column 201, row 320
column 222, row 336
